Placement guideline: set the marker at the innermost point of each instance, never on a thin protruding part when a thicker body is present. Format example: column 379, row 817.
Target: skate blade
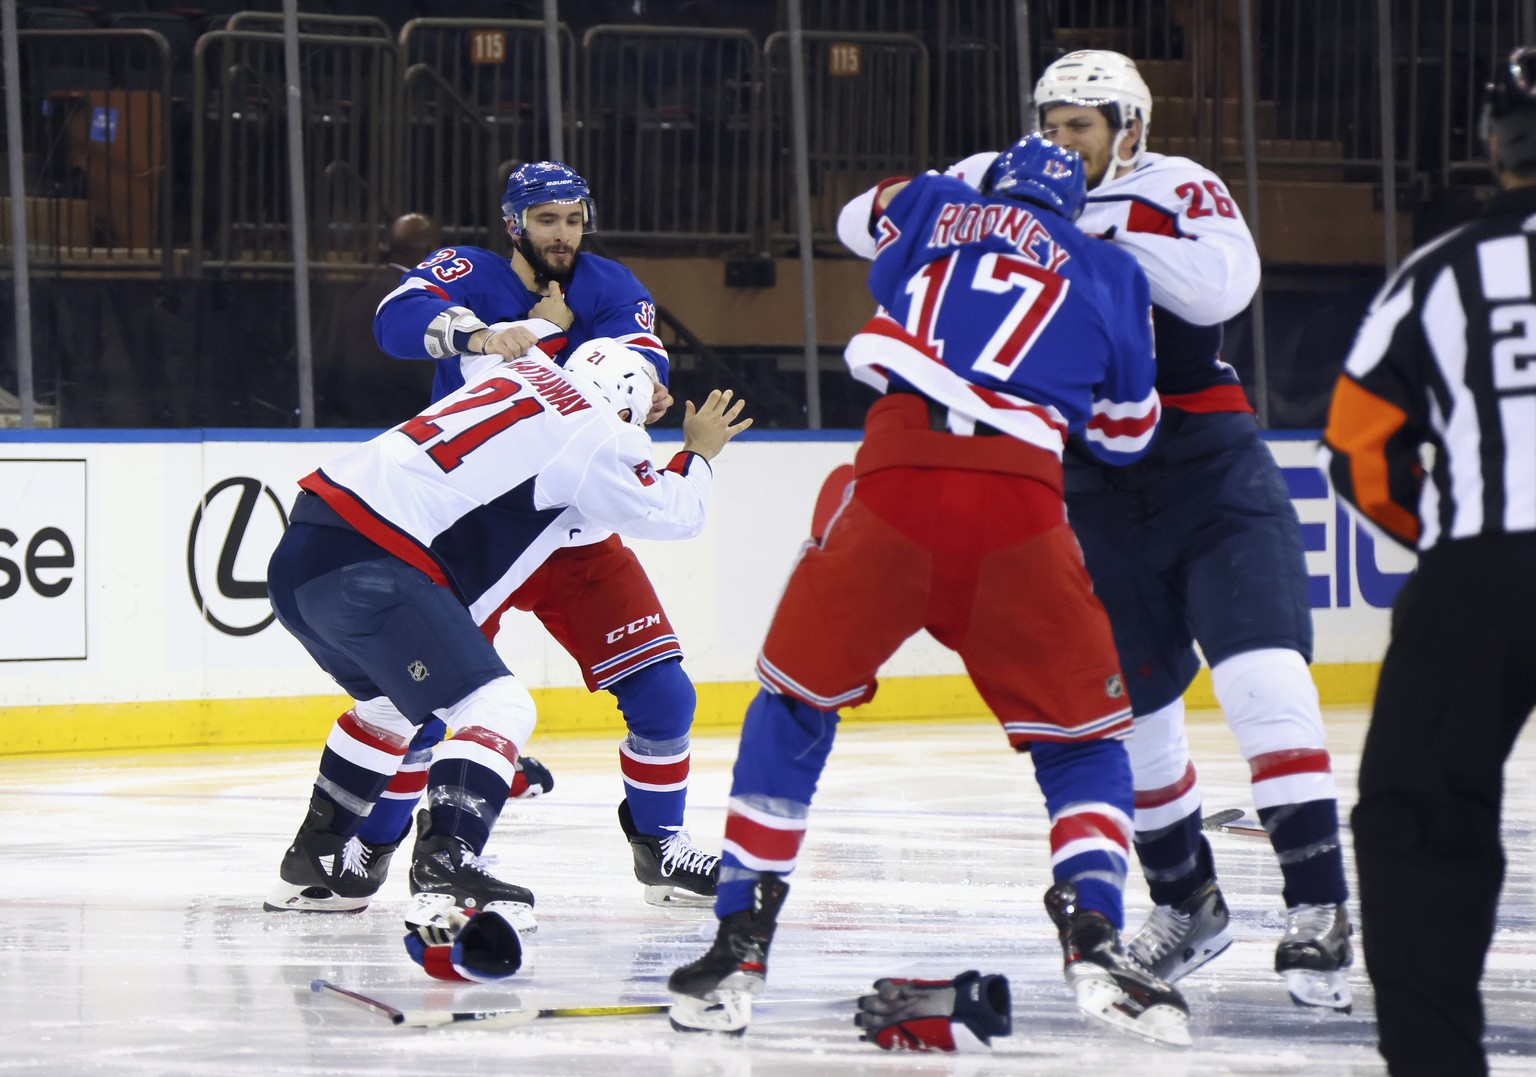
column 1209, row 951
column 727, row 1012
column 1166, row 1026
column 1323, row 990
column 518, row 913
column 426, row 908
column 667, row 896
column 287, row 897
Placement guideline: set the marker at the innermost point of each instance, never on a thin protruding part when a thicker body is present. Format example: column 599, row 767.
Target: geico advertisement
column 43, row 543
column 1352, row 576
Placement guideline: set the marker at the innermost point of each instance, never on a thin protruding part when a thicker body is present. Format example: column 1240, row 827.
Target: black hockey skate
column 1313, row 954
column 673, row 870
column 325, row 872
column 1178, row 939
column 1110, row 986
column 714, row 993
column 442, row 864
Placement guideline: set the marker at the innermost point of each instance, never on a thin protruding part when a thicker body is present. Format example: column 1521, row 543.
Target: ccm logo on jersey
column 634, row 627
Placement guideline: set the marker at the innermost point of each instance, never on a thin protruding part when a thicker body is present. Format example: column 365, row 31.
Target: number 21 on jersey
column 495, row 393
column 1040, row 294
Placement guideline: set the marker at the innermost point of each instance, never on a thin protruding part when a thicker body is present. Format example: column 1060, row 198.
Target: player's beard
column 543, row 272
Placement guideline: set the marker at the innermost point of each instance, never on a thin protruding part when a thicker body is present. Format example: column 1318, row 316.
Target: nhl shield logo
column 418, row 670
column 1114, row 687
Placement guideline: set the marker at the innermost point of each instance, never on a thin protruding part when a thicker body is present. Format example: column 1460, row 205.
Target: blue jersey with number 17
column 1004, row 311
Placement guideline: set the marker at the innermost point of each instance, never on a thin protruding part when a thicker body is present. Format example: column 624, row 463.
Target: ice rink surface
column 134, row 941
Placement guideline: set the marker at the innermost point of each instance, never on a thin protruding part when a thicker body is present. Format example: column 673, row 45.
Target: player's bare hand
column 552, row 307
column 661, row 400
column 512, row 342
column 707, row 428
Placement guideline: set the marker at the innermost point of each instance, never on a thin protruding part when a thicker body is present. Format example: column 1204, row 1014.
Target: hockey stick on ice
column 1218, row 819
column 381, row 1008
column 480, row 1018
column 1226, row 821
column 510, row 1018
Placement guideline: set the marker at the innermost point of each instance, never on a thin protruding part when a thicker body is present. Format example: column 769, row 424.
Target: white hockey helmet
column 1107, row 81
column 621, row 375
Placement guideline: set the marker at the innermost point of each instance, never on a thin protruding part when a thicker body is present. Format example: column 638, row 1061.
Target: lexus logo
column 236, row 509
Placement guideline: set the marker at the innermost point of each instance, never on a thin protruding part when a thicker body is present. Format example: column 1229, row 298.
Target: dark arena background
column 156, row 143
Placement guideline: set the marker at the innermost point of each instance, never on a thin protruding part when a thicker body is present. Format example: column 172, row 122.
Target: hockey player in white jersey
column 399, row 551
column 1199, row 542
column 553, row 294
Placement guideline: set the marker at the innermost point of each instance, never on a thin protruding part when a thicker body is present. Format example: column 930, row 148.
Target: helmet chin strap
column 1115, row 163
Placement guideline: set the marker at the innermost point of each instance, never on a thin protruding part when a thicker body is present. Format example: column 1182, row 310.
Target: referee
column 1432, row 436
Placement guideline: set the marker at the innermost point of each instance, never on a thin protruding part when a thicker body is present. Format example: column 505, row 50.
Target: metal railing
column 1474, row 37
column 683, row 132
column 975, row 90
column 686, row 135
column 670, row 131
column 868, row 95
column 472, row 112
column 864, row 16
column 271, row 22
column 97, row 147
column 1317, row 74
column 1145, row 29
column 1318, row 79
column 241, row 216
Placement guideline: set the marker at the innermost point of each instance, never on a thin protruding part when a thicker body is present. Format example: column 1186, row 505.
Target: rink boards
column 133, row 608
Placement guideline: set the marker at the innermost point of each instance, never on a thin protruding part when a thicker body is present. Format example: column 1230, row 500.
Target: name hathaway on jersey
column 551, row 387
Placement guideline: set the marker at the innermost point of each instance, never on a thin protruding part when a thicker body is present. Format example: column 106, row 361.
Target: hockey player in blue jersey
column 1001, row 329
column 1199, row 543
column 464, row 302
column 445, row 307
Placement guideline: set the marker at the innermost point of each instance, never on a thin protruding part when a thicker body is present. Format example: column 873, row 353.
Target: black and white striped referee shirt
column 1446, row 358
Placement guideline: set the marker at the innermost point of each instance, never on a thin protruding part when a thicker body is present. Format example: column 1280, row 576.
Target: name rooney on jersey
column 959, row 223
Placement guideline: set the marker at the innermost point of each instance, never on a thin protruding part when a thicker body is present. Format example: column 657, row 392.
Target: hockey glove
column 486, row 947
column 962, row 1014
column 532, row 779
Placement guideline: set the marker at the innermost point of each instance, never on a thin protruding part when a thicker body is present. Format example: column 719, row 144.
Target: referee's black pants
column 1457, row 684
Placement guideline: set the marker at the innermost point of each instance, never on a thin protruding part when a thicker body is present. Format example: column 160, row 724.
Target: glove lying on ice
column 466, row 946
column 531, row 779
column 962, row 1014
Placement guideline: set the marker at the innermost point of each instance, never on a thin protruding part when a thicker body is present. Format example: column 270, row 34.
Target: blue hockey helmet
column 539, row 183
column 1037, row 170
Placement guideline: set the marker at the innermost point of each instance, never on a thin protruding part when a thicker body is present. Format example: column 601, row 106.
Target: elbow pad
column 449, row 332
column 853, row 224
